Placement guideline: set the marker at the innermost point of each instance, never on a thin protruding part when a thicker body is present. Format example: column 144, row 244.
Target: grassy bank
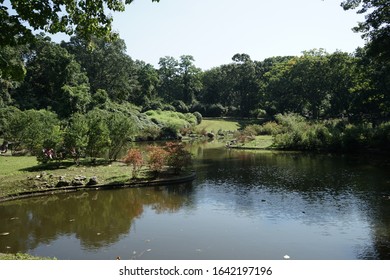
column 22, row 174
column 214, row 125
column 224, row 124
column 20, row 256
column 258, row 142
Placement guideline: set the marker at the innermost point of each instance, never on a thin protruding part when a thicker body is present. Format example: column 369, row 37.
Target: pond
column 243, row 205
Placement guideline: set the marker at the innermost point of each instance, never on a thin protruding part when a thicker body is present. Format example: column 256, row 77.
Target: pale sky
column 212, row 31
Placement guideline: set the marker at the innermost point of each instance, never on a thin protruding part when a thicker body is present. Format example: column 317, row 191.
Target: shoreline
column 114, row 185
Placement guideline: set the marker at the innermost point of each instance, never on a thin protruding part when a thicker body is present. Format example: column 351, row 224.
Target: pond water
column 243, row 205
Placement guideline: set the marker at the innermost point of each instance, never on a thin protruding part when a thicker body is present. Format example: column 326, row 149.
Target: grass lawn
column 19, row 174
column 215, row 124
column 260, row 142
column 20, row 256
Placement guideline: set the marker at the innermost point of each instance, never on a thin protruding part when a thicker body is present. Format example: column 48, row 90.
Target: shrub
column 216, row 110
column 270, row 128
column 168, row 132
column 150, row 133
column 259, row 113
column 178, row 158
column 290, row 121
column 252, row 130
column 356, row 136
column 157, row 158
column 198, row 117
column 135, row 160
column 198, row 107
column 381, row 137
column 172, row 119
column 180, row 106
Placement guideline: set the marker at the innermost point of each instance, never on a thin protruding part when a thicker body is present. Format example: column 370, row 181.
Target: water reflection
column 97, row 218
column 243, row 205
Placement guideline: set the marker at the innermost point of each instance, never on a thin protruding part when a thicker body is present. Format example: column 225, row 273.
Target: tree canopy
column 376, row 27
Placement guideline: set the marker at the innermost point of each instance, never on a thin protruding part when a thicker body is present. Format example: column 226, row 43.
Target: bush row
column 172, row 155
column 292, row 131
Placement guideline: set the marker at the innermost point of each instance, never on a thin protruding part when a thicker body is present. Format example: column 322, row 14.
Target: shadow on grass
column 245, row 122
column 54, row 165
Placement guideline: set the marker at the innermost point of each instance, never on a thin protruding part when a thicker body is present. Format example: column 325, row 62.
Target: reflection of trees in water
column 380, row 226
column 95, row 218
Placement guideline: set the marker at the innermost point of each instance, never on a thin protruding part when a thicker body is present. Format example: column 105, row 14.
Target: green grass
column 215, row 124
column 260, row 142
column 20, row 256
column 24, row 174
column 11, row 166
column 20, row 174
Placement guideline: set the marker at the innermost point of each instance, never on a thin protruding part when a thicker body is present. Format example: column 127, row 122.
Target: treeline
column 93, row 89
column 76, row 76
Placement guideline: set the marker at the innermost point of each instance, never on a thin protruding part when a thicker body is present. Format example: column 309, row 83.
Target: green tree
column 54, row 79
column 86, row 18
column 278, row 95
column 107, row 65
column 122, row 129
column 76, row 135
column 342, row 77
column 218, row 90
column 148, row 80
column 376, row 27
column 315, row 84
column 190, row 79
column 33, row 130
column 12, row 71
column 371, row 100
column 246, row 87
column 98, row 133
column 169, row 88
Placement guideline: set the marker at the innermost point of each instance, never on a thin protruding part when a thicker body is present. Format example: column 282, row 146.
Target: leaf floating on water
column 4, row 233
column 14, row 218
column 98, row 233
column 286, row 257
column 72, row 220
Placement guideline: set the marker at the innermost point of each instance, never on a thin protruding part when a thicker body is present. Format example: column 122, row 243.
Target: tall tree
column 148, row 80
column 107, row 65
column 12, row 71
column 376, row 27
column 54, row 79
column 169, row 88
column 315, row 84
column 190, row 79
column 376, row 30
column 246, row 84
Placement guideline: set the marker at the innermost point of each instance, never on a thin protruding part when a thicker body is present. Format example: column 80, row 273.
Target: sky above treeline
column 212, row 31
